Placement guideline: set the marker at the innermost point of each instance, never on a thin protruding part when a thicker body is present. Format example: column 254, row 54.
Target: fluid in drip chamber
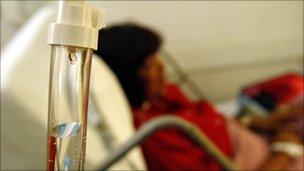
column 65, row 145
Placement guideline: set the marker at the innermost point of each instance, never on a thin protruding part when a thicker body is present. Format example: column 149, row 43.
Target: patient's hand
column 282, row 119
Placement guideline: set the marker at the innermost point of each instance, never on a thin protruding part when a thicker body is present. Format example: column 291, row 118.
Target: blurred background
column 221, row 46
column 212, row 49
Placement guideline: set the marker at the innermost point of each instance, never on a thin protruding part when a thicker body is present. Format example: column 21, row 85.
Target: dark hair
column 125, row 48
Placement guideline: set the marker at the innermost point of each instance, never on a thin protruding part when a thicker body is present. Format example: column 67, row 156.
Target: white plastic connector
column 77, row 25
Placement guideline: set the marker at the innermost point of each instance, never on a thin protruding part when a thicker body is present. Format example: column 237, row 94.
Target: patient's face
column 152, row 73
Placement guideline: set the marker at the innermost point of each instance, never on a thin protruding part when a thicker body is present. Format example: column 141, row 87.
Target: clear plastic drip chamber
column 77, row 24
column 67, row 108
column 73, row 37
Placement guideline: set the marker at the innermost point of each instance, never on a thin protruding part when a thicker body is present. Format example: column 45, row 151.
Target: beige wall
column 14, row 14
column 222, row 45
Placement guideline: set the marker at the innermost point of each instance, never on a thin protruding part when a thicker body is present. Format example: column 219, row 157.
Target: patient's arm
column 281, row 160
column 252, row 152
column 284, row 124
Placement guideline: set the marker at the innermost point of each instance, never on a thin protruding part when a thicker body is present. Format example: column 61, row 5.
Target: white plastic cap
column 77, row 25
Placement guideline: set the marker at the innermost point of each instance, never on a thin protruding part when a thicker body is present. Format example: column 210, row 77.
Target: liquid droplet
column 73, row 58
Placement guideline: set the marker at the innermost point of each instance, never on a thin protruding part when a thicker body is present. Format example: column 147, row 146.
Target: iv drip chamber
column 73, row 37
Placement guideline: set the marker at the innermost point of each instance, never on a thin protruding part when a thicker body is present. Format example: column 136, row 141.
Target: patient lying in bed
column 131, row 52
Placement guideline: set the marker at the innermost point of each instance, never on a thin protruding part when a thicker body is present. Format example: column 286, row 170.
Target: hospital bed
column 24, row 96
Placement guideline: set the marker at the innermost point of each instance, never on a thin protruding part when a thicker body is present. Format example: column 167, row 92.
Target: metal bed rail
column 163, row 122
